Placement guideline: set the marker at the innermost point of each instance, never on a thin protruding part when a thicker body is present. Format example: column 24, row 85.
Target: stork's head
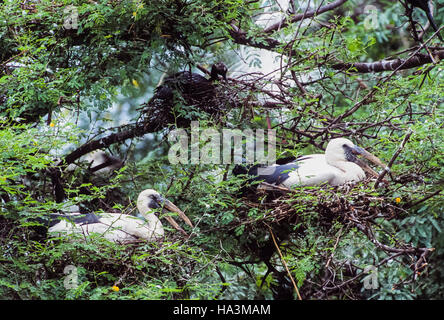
column 150, row 200
column 217, row 69
column 342, row 149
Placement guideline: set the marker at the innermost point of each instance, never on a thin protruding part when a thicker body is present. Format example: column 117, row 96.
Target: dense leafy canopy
column 78, row 76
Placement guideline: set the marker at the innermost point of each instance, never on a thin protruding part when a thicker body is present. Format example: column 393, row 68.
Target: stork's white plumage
column 122, row 227
column 337, row 166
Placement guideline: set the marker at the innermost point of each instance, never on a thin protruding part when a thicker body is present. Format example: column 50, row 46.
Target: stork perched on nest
column 122, row 228
column 337, row 166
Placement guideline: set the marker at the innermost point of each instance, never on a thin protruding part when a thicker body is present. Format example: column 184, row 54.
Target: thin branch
column 298, row 17
column 128, row 132
column 424, row 199
column 392, row 160
column 411, row 62
column 285, row 264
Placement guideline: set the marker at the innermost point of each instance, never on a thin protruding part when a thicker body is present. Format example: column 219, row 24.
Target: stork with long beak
column 337, row 166
column 122, row 227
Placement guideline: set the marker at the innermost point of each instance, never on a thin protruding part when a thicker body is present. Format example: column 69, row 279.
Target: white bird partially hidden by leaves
column 339, row 165
column 98, row 162
column 119, row 227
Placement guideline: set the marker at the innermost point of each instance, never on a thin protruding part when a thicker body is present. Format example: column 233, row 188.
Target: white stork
column 337, row 166
column 123, row 228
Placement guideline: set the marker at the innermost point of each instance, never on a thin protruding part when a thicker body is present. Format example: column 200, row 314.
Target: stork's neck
column 153, row 221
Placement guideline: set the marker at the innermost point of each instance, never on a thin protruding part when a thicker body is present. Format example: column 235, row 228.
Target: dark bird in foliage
column 192, row 87
column 427, row 7
column 337, row 166
column 192, row 92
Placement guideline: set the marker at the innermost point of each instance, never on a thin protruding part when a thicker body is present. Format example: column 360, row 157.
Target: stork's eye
column 157, row 198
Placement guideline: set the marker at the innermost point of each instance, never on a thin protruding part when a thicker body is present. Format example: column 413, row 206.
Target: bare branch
column 392, row 160
column 414, row 61
column 298, row 17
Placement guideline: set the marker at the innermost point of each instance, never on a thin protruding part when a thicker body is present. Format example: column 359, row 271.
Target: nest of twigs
column 289, row 213
column 182, row 108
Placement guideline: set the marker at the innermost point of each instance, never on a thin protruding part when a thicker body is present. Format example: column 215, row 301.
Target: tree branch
column 136, row 130
column 392, row 160
column 240, row 37
column 414, row 61
column 298, row 17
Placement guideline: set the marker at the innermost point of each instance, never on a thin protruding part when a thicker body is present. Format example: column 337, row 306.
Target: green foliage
column 56, row 80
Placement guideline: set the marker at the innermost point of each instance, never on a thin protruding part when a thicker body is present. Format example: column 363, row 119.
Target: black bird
column 426, row 6
column 180, row 95
column 195, row 91
column 194, row 88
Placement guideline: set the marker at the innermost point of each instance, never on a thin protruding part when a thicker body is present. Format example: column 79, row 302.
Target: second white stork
column 119, row 227
column 337, row 166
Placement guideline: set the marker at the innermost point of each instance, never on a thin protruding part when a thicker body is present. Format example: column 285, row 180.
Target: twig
column 392, row 160
column 334, row 249
column 285, row 264
column 271, row 187
column 424, row 199
column 413, row 61
column 222, row 278
column 308, row 14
